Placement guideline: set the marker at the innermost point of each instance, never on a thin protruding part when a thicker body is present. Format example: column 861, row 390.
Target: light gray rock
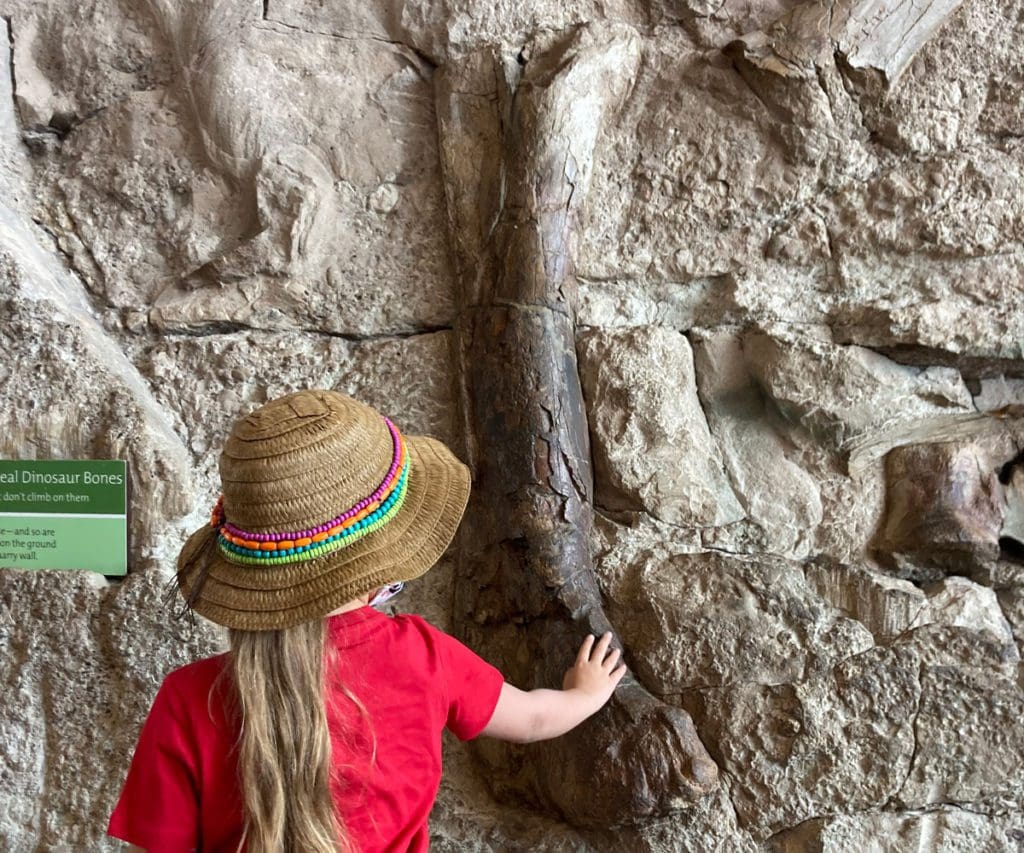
column 58, row 88
column 960, row 602
column 449, row 29
column 932, row 110
column 261, row 205
column 942, row 830
column 941, row 645
column 15, row 170
column 921, row 247
column 780, row 497
column 841, row 393
column 887, row 42
column 691, row 110
column 211, row 380
column 125, row 223
column 838, row 742
column 893, row 608
column 867, row 37
column 998, row 393
column 650, row 441
column 1011, row 603
column 613, row 304
column 969, row 741
column 695, row 621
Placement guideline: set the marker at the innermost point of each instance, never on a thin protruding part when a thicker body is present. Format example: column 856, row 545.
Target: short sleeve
column 473, row 684
column 158, row 808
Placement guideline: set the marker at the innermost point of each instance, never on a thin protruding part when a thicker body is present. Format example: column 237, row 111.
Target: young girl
column 320, row 729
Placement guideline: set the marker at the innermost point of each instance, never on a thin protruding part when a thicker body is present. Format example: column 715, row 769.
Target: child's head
column 323, row 500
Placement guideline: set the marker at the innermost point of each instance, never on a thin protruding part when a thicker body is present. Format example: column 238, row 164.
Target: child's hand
column 524, row 716
column 595, row 674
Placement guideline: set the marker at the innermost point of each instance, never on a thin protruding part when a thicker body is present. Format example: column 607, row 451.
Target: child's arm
column 525, row 716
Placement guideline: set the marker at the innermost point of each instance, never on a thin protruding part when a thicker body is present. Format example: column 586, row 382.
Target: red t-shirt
column 181, row 792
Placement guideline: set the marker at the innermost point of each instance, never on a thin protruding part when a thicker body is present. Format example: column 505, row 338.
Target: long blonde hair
column 279, row 681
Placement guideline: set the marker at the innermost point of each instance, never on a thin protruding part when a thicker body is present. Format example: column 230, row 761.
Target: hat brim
column 256, row 598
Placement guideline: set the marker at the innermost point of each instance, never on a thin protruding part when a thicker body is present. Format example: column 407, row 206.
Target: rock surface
column 946, row 507
column 651, row 444
column 942, row 830
column 799, row 334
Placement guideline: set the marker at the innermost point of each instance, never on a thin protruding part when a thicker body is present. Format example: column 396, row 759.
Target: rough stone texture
column 406, row 378
column 945, row 511
column 841, row 393
column 708, row 620
column 71, row 392
column 959, row 601
column 980, row 760
column 886, row 606
column 651, row 444
column 799, row 327
column 294, row 207
column 452, row 28
column 838, row 742
column 782, row 500
column 941, row 830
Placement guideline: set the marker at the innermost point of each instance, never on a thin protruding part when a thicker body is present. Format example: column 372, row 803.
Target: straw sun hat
column 324, row 499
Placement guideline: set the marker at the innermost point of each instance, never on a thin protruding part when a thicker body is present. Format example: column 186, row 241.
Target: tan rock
column 944, row 830
column 73, row 394
column 945, row 508
column 969, row 741
column 218, row 214
column 448, row 29
column 694, row 621
column 886, row 606
column 211, row 380
column 841, row 393
column 651, row 444
column 960, row 602
column 58, row 88
column 779, row 495
column 840, row 742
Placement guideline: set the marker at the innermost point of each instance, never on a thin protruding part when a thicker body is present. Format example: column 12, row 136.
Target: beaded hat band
column 280, row 550
column 365, row 516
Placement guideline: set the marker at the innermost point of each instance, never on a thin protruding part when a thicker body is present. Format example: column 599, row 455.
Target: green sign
column 64, row 514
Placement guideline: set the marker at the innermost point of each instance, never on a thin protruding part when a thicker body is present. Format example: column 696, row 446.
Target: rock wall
column 798, row 337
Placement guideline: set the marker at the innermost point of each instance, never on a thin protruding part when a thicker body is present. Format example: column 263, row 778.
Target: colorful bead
column 237, row 554
column 340, row 532
column 367, row 515
column 353, row 514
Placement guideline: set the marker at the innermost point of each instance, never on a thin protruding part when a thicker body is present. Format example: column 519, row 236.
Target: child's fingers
column 617, row 673
column 584, row 653
column 609, row 662
column 602, row 647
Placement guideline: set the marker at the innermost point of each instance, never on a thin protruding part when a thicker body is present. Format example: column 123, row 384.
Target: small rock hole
column 63, row 122
column 1011, row 549
column 1006, row 472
